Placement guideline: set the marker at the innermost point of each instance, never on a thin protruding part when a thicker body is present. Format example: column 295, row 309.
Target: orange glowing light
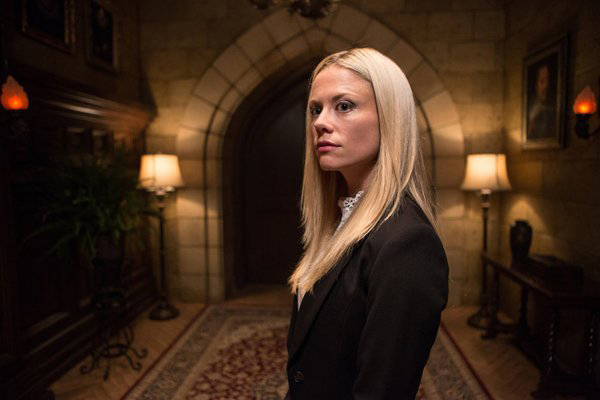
column 13, row 95
column 585, row 103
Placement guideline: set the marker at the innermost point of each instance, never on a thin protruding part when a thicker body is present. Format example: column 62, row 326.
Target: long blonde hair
column 398, row 171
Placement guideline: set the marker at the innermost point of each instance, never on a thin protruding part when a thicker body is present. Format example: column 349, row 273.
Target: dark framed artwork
column 50, row 21
column 544, row 96
column 102, row 34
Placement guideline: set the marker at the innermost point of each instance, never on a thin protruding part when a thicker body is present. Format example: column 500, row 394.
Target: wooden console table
column 585, row 296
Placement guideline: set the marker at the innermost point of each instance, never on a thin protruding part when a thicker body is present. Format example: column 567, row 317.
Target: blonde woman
column 373, row 279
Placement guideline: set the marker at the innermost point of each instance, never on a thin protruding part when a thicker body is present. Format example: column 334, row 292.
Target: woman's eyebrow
column 334, row 98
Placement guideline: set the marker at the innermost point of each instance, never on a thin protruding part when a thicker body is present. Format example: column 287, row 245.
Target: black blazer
column 366, row 330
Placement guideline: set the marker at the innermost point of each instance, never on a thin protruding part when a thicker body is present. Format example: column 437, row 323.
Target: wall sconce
column 14, row 102
column 584, row 107
column 160, row 174
column 485, row 173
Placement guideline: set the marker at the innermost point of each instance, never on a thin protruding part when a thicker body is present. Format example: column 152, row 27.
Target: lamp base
column 481, row 319
column 164, row 310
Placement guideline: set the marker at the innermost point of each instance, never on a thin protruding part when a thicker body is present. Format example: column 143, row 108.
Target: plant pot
column 108, row 262
column 520, row 239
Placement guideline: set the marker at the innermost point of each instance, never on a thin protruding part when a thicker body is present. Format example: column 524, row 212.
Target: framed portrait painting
column 50, row 21
column 102, row 34
column 544, row 96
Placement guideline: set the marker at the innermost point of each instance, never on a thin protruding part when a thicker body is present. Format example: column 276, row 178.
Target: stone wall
column 22, row 49
column 460, row 43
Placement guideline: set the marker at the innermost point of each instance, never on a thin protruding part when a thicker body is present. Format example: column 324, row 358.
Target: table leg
column 544, row 389
column 591, row 345
column 523, row 327
column 494, row 299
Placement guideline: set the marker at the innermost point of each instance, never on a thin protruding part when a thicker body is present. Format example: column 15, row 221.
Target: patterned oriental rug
column 239, row 353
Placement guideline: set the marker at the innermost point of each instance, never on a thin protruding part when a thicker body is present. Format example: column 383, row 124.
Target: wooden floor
column 506, row 373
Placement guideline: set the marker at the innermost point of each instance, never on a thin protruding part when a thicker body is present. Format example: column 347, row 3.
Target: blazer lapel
column 311, row 304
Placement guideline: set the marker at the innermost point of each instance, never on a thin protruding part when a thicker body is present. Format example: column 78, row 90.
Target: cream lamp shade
column 160, row 172
column 486, row 172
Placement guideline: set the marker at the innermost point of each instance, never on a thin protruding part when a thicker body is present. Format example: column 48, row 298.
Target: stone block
column 270, row 63
column 281, row 26
column 190, row 203
column 333, row 44
column 256, row 43
column 452, row 233
column 427, row 5
column 186, row 34
column 475, row 5
column 212, row 86
column 191, row 232
column 161, row 144
column 165, row 64
column 166, row 122
column 425, row 82
column 350, row 23
column 451, row 204
column 152, row 35
column 488, row 87
column 405, row 56
column 440, row 111
column 489, row 25
column 192, row 172
column 526, row 175
column 315, row 38
column 214, row 204
column 192, row 260
column 460, row 86
column 449, row 172
column 231, row 100
column 379, row 37
column 249, row 81
column 215, row 261
column 481, row 118
column 180, row 91
column 213, row 173
column 437, row 53
column 410, row 25
column 450, row 26
column 190, row 143
column 449, row 141
column 214, row 149
column 216, row 289
column 192, row 288
column 215, row 232
column 456, row 264
column 473, row 57
column 220, row 122
column 295, row 48
column 232, row 63
column 198, row 114
column 199, row 60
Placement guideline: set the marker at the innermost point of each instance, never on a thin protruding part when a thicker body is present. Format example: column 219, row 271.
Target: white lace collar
column 347, row 205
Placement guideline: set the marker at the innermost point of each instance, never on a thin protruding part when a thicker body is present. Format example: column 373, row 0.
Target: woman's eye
column 314, row 111
column 344, row 106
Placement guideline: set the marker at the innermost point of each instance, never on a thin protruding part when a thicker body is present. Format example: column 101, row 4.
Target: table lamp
column 485, row 173
column 160, row 174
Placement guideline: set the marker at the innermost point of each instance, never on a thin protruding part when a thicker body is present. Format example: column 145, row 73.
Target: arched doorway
column 265, row 161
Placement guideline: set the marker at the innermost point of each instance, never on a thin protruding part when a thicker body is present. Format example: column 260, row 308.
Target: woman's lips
column 325, row 147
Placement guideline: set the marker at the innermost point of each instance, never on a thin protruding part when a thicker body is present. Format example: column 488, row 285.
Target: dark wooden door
column 271, row 166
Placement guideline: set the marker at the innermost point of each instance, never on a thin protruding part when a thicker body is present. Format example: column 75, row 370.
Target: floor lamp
column 160, row 174
column 485, row 173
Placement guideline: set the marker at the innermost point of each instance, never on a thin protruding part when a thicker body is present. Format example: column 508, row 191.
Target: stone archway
column 277, row 41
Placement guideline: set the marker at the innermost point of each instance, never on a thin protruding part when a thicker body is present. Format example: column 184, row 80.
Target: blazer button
column 298, row 377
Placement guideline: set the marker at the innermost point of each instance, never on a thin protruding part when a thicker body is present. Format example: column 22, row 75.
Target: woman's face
column 344, row 123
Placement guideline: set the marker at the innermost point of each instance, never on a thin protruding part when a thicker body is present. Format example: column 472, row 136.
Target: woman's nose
column 322, row 123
